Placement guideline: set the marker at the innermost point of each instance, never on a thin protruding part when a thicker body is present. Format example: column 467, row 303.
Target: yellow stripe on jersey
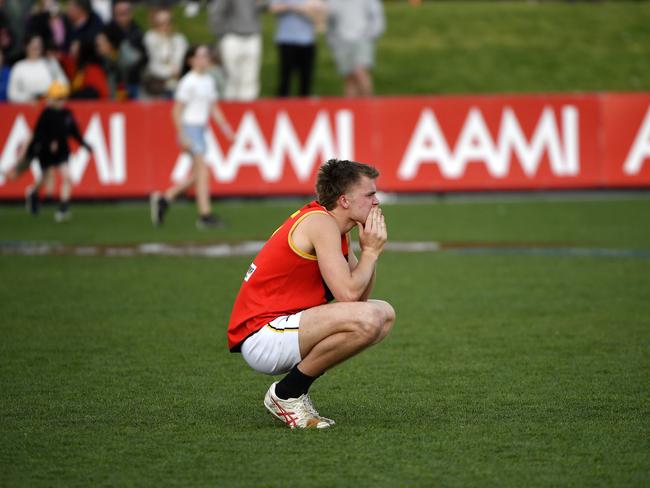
column 293, row 246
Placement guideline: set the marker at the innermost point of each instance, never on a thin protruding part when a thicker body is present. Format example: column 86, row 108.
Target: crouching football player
column 282, row 320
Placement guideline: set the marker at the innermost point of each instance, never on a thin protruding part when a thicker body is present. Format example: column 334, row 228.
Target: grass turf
column 502, row 370
column 486, row 47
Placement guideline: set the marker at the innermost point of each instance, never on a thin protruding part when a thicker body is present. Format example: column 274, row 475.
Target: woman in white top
column 165, row 52
column 31, row 77
column 195, row 101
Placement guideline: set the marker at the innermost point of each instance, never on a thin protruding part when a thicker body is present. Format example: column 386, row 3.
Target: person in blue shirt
column 5, row 70
column 295, row 38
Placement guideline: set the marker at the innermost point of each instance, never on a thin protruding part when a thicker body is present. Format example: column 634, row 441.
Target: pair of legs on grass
column 358, row 83
column 47, row 179
column 326, row 336
column 199, row 178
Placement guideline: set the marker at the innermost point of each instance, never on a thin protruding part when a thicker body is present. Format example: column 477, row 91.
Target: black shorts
column 46, row 163
column 52, row 160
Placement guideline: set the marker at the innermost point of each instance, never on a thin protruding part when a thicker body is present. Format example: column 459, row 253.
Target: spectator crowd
column 99, row 51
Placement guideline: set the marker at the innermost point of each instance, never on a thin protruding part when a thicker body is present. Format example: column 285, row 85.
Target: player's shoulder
column 319, row 222
column 319, row 216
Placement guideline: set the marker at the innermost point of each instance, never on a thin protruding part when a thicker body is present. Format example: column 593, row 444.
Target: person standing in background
column 295, row 37
column 5, row 71
column 125, row 50
column 51, row 24
column 30, row 78
column 13, row 32
column 165, row 49
column 195, row 101
column 90, row 81
column 352, row 30
column 85, row 23
column 236, row 23
column 103, row 8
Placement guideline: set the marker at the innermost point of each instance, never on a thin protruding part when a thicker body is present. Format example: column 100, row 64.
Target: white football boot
column 295, row 412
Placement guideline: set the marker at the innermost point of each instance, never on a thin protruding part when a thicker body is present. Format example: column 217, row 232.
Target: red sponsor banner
column 490, row 143
column 420, row 144
column 626, row 144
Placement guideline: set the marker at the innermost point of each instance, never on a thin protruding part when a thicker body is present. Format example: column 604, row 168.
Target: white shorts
column 274, row 349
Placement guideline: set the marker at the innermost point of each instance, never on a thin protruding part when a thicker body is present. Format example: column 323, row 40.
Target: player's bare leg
column 202, row 174
column 328, row 335
column 178, row 189
column 350, row 88
column 160, row 203
column 63, row 214
column 66, row 183
column 49, row 182
column 363, row 81
column 32, row 200
column 332, row 333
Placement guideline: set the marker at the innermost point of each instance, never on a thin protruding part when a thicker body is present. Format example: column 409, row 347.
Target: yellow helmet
column 57, row 89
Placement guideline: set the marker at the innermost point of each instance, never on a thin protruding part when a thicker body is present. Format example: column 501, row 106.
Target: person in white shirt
column 165, row 51
column 31, row 77
column 195, row 101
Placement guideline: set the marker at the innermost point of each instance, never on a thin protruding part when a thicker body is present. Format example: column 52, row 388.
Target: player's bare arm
column 321, row 233
column 352, row 263
column 177, row 112
column 220, row 119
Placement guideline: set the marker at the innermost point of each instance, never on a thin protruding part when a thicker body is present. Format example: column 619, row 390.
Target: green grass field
column 504, row 369
column 487, row 47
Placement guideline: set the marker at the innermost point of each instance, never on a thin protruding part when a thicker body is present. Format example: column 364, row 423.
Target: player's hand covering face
column 374, row 234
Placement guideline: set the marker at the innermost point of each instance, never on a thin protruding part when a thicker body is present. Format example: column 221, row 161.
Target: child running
column 49, row 144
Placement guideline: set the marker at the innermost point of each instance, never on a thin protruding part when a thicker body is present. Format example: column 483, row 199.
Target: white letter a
column 640, row 149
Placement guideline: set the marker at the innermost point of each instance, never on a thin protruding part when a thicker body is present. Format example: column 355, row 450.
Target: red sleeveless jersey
column 282, row 280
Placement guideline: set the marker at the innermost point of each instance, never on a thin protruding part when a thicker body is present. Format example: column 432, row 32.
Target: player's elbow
column 347, row 295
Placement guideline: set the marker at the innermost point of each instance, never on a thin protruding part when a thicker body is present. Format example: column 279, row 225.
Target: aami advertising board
column 418, row 143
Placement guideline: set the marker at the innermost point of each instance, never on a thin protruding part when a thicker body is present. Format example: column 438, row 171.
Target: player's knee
column 372, row 321
column 387, row 318
column 385, row 312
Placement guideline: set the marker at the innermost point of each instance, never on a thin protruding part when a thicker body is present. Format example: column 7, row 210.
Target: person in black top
column 125, row 53
column 49, row 144
column 85, row 23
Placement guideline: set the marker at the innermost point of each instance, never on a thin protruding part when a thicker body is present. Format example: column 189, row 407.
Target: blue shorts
column 196, row 136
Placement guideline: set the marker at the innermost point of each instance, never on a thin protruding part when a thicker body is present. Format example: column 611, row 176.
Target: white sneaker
column 295, row 412
column 312, row 409
column 61, row 217
column 158, row 206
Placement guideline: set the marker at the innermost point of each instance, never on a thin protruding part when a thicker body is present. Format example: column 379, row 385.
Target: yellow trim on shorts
column 289, row 329
column 295, row 248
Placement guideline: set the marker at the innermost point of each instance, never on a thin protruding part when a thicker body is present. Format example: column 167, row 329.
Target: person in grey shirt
column 352, row 29
column 295, row 38
column 236, row 23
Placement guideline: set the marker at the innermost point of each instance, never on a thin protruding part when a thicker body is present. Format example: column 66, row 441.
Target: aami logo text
column 110, row 164
column 558, row 139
